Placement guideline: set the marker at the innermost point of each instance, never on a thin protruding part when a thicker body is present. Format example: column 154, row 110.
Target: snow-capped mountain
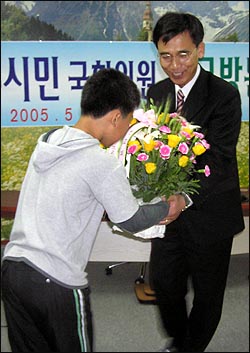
column 111, row 20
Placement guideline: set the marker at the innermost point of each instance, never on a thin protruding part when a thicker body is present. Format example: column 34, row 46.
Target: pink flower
column 158, row 144
column 165, row 151
column 186, row 134
column 132, row 149
column 165, row 129
column 184, row 123
column 139, row 114
column 149, row 118
column 205, row 144
column 192, row 158
column 142, row 157
column 207, row 170
column 198, row 134
column 183, row 148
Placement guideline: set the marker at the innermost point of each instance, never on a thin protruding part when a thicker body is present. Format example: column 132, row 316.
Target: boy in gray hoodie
column 69, row 183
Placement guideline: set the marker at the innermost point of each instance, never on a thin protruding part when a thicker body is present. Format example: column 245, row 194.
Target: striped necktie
column 180, row 101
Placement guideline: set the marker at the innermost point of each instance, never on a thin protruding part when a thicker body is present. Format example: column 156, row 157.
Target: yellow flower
column 183, row 161
column 188, row 131
column 150, row 167
column 133, row 121
column 173, row 140
column 160, row 117
column 167, row 119
column 148, row 147
column 198, row 149
column 133, row 142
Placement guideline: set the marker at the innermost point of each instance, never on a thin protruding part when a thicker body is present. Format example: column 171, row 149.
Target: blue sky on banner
column 42, row 81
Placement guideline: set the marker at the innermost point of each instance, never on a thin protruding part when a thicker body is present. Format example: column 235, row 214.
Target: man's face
column 179, row 58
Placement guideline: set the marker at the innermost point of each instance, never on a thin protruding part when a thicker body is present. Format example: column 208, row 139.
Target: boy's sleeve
column 146, row 217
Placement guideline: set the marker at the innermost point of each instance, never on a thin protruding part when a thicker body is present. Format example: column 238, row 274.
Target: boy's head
column 106, row 90
column 108, row 101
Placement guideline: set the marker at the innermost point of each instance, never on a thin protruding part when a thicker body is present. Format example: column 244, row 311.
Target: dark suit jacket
column 215, row 105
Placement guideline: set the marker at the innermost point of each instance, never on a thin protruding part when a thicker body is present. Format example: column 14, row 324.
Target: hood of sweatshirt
column 60, row 144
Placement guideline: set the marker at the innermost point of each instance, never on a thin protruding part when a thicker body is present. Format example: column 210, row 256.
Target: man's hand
column 176, row 204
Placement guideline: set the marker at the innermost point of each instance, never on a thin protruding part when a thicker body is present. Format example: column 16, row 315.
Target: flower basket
column 159, row 153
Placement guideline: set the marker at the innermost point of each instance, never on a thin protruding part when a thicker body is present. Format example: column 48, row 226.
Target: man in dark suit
column 198, row 244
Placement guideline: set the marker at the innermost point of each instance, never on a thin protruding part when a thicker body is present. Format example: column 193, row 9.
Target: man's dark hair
column 173, row 23
column 109, row 89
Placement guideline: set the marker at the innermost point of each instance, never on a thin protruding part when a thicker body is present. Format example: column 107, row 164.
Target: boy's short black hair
column 109, row 89
column 173, row 23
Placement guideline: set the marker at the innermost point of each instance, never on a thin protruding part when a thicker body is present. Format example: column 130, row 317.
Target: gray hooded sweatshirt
column 69, row 183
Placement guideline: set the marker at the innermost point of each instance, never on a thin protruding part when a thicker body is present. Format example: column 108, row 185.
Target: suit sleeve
column 223, row 128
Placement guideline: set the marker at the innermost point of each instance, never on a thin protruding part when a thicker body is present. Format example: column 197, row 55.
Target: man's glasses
column 182, row 56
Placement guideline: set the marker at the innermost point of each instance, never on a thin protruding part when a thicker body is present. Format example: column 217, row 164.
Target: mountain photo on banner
column 118, row 20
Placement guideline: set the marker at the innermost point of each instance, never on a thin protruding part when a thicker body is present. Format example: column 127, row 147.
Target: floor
column 123, row 324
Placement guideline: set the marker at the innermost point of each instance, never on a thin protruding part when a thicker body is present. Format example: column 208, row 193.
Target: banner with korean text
column 42, row 81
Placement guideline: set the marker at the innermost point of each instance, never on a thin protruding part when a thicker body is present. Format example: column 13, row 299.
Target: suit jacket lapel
column 198, row 94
